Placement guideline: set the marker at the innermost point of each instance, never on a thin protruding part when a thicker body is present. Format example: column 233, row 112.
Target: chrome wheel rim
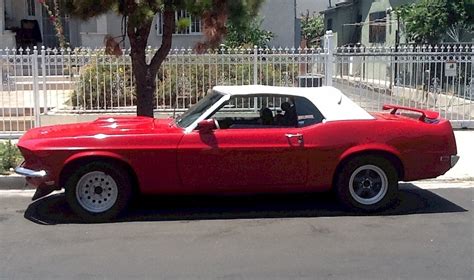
column 96, row 192
column 368, row 184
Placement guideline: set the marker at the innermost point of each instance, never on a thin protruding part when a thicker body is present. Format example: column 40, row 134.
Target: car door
column 246, row 159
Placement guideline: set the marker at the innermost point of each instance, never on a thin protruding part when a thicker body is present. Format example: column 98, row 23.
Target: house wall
column 370, row 6
column 381, row 71
column 359, row 12
column 7, row 39
column 341, row 16
column 13, row 13
column 278, row 17
column 310, row 5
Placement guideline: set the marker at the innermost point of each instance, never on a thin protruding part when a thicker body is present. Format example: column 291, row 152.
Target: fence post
column 43, row 73
column 329, row 50
column 255, row 75
column 255, row 65
column 36, row 97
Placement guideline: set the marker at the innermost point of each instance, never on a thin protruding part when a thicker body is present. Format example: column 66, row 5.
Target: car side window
column 307, row 113
column 257, row 111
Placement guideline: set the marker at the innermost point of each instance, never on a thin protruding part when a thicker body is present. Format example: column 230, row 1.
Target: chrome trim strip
column 454, row 160
column 29, row 173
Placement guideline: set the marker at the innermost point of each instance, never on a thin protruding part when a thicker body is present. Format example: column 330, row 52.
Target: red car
column 240, row 140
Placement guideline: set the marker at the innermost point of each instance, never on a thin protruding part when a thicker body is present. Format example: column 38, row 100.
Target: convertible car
column 241, row 140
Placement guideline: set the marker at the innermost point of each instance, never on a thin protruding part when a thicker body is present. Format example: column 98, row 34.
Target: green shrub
column 104, row 84
column 184, row 83
column 181, row 81
column 10, row 156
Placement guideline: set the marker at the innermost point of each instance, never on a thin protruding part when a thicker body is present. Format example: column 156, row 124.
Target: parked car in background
column 241, row 140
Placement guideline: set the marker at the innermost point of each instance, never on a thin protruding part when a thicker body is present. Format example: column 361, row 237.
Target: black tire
column 108, row 194
column 367, row 183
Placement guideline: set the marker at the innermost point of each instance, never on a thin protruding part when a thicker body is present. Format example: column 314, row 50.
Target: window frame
column 378, row 27
column 196, row 24
column 31, row 8
column 329, row 24
column 268, row 96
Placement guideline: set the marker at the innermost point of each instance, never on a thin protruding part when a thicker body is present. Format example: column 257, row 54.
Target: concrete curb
column 13, row 182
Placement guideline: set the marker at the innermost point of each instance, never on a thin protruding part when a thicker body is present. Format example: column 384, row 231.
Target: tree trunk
column 145, row 87
column 145, row 74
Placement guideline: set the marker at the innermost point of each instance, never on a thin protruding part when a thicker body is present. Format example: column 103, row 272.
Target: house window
column 31, row 7
column 377, row 27
column 193, row 28
column 329, row 24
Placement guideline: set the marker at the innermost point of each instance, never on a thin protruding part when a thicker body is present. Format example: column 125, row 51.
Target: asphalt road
column 429, row 235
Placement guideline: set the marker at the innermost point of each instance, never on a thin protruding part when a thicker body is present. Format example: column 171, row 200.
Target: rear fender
column 374, row 148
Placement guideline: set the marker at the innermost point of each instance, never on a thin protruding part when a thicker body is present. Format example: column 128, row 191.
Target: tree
column 247, row 35
column 54, row 15
column 312, row 28
column 427, row 21
column 139, row 16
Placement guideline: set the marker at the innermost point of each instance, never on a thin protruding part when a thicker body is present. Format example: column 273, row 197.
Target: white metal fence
column 54, row 82
column 438, row 78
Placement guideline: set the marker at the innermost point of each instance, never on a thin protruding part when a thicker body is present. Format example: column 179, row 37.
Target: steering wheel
column 217, row 124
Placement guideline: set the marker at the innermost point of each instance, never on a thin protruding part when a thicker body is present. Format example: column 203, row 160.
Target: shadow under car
column 54, row 209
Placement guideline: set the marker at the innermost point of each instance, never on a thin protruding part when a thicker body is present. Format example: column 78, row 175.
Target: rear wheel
column 367, row 183
column 98, row 191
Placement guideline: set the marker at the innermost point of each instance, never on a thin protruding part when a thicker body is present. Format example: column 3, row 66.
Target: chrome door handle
column 297, row 135
column 290, row 135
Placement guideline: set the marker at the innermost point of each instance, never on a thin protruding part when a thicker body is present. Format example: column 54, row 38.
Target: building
column 368, row 22
column 372, row 23
column 27, row 23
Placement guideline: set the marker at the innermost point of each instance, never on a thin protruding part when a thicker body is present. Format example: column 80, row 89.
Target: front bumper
column 37, row 178
column 30, row 173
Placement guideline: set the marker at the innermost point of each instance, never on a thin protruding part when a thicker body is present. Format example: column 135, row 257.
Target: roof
column 332, row 103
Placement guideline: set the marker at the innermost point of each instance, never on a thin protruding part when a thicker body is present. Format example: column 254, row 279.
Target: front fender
column 87, row 154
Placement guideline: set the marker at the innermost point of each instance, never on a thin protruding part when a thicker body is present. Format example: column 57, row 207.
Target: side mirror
column 206, row 126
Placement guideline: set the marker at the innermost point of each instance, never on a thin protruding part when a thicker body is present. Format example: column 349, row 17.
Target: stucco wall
column 342, row 16
column 278, row 17
column 311, row 5
column 370, row 6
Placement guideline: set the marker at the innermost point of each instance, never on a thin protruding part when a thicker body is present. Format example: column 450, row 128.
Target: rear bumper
column 427, row 166
column 454, row 160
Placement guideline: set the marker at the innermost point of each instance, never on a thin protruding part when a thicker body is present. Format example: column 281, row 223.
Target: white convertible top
column 332, row 103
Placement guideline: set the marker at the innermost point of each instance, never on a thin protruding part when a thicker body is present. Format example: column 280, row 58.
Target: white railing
column 438, row 78
column 53, row 82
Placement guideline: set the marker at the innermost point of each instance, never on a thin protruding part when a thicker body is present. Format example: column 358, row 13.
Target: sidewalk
column 463, row 171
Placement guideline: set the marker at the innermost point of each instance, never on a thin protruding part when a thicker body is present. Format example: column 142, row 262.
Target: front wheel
column 98, row 191
column 367, row 183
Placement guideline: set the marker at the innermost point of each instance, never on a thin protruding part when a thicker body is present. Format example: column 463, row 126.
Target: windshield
column 198, row 109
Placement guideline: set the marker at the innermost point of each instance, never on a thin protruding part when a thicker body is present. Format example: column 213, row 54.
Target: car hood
column 103, row 126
